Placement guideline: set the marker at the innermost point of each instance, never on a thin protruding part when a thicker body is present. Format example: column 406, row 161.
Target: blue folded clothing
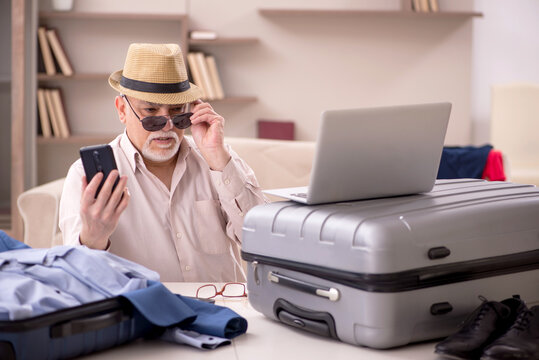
column 59, row 275
column 8, row 243
column 463, row 162
column 163, row 308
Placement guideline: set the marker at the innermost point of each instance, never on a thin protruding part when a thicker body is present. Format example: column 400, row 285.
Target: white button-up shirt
column 189, row 233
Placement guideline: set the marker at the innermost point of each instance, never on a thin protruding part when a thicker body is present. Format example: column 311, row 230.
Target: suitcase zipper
column 409, row 279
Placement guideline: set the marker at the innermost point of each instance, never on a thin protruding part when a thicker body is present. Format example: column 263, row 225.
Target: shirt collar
column 185, row 149
column 130, row 151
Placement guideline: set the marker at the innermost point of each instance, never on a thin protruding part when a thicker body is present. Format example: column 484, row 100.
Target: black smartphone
column 98, row 158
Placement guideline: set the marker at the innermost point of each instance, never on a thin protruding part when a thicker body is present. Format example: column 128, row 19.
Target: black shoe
column 520, row 342
column 490, row 320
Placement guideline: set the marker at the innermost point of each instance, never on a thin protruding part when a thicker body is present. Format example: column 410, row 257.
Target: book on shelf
column 60, row 113
column 40, row 62
column 203, row 35
column 44, row 120
column 52, row 113
column 48, row 60
column 425, row 6
column 195, row 72
column 214, row 77
column 276, row 129
column 59, row 52
column 434, row 5
column 205, row 75
column 54, row 108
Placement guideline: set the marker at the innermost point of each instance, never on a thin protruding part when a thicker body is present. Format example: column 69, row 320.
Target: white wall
column 304, row 65
column 505, row 50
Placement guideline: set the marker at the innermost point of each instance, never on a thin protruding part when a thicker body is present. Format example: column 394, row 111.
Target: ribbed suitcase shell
column 406, row 268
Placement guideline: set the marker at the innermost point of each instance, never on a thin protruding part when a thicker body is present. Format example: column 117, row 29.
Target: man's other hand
column 208, row 133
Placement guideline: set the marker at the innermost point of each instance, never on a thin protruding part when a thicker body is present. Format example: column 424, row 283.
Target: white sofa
column 276, row 163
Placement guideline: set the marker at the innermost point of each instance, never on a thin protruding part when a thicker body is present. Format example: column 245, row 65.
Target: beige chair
column 276, row 163
column 515, row 129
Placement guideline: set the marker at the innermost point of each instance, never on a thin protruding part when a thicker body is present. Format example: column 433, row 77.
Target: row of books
column 51, row 53
column 425, row 5
column 51, row 113
column 204, row 74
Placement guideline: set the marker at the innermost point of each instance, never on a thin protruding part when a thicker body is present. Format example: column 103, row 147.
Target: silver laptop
column 374, row 152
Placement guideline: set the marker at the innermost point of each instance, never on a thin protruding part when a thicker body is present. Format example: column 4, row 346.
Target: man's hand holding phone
column 103, row 199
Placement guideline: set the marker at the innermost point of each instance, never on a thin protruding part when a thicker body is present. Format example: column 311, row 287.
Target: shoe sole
column 514, row 358
column 452, row 356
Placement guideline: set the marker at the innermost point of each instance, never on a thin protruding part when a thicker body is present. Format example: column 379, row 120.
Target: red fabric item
column 493, row 170
column 280, row 130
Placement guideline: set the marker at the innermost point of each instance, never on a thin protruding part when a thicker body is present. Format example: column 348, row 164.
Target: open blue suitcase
column 387, row 272
column 73, row 332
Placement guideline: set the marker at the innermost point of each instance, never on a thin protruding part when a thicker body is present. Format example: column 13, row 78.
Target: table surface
column 265, row 339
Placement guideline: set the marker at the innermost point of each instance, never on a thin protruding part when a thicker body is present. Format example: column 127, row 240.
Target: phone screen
column 98, row 158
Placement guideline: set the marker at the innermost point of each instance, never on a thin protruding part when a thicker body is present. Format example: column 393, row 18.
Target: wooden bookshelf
column 76, row 76
column 224, row 41
column 43, row 15
column 77, row 139
column 367, row 13
column 235, row 100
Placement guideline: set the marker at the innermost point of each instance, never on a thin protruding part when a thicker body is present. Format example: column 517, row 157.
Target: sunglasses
column 154, row 123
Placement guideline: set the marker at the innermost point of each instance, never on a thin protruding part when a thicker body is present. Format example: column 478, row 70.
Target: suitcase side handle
column 331, row 294
column 317, row 322
column 87, row 324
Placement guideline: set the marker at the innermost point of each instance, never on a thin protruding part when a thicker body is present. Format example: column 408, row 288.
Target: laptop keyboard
column 301, row 195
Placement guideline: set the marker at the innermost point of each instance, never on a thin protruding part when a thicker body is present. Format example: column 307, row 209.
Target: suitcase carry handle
column 331, row 294
column 87, row 324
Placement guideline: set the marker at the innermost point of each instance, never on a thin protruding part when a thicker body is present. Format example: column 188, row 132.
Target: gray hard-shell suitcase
column 387, row 272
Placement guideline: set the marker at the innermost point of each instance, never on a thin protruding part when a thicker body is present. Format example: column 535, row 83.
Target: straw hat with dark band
column 155, row 73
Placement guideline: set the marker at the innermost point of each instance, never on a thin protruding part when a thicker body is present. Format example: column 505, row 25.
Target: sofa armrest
column 39, row 208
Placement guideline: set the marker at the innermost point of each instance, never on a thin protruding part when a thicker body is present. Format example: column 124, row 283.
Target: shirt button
column 179, row 235
column 227, row 181
column 187, row 268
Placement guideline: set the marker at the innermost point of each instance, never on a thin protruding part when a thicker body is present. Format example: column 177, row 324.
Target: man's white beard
column 163, row 153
